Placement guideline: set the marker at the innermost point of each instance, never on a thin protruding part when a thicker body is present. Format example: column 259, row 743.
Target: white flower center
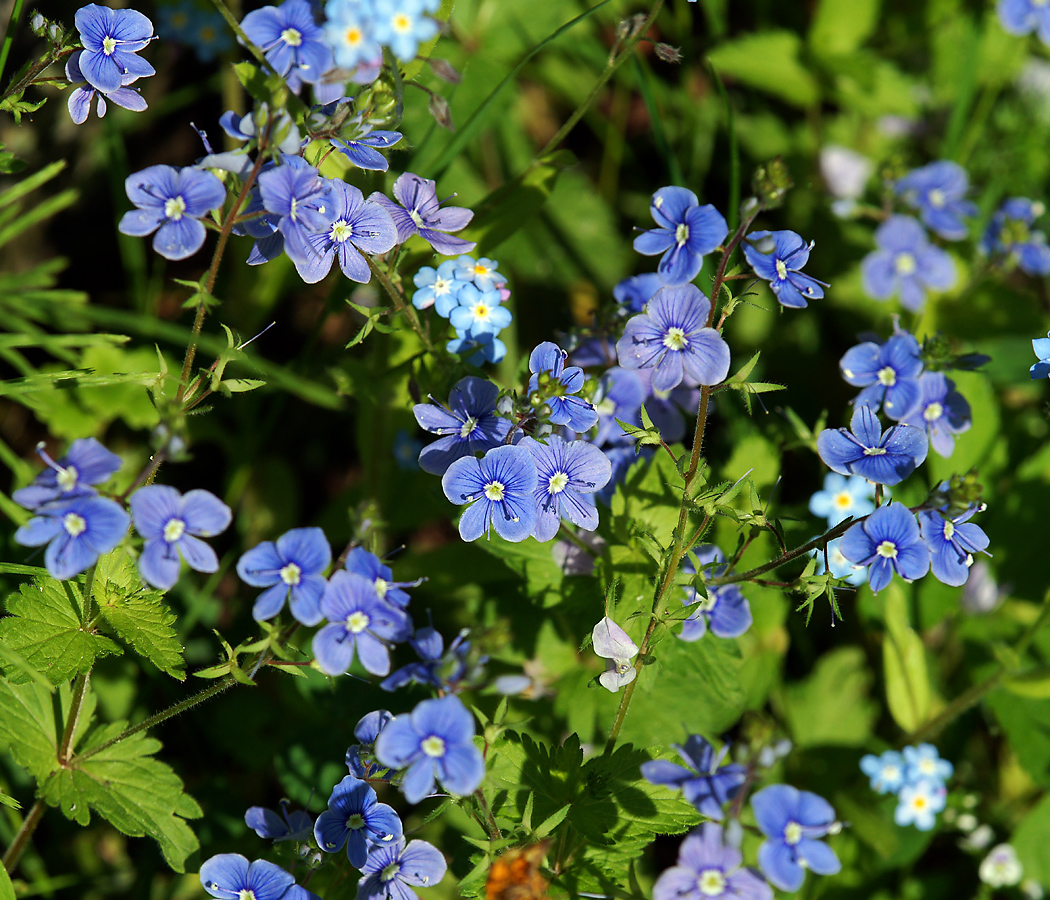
column 927, row 766
column 887, row 376
column 468, row 427
column 442, row 286
column 891, row 773
column 416, row 218
column 356, row 622
column 433, row 746
column 381, row 587
column 173, row 530
column 712, row 883
column 934, row 411
column 681, row 234
column 874, row 451
column 904, row 264
column 67, row 478
column 290, row 574
column 245, row 894
column 782, row 269
column 675, row 339
column 74, row 524
column 341, row 231
column 390, row 872
column 936, row 198
column 174, row 207
column 494, row 490
column 949, row 529
column 792, row 833
column 557, row 483
column 887, row 550
column 292, row 37
column 108, row 45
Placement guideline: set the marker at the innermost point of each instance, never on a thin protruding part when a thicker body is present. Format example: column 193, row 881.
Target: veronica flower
column 302, row 202
column 941, row 410
column 363, row 150
column 793, row 821
column 685, row 233
column 888, row 373
column 284, row 134
column 172, row 524
column 887, row 541
column 707, row 869
column 391, row 871
column 441, row 670
column 437, row 287
column 1001, row 867
column 669, row 410
column 938, row 190
column 112, row 39
column 778, row 257
column 171, row 202
column 230, row 875
column 370, row 566
column 1025, row 16
column 360, row 758
column 619, row 395
column 672, row 337
column 918, row 804
column 79, row 102
column 360, row 624
column 885, row 457
column 906, row 264
column 613, row 644
column 633, row 293
column 293, row 568
column 401, row 26
column 435, row 742
column 704, row 781
column 355, row 818
column 468, row 425
column 560, row 384
column 1041, row 369
column 77, row 532
column 568, row 474
column 842, row 497
column 420, row 213
column 86, row 463
column 293, row 43
column 886, row 771
column 725, row 609
column 1010, row 234
column 297, row 826
column 499, row 489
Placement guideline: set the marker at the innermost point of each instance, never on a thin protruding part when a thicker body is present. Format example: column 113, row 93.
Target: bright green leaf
column 904, row 664
column 769, row 62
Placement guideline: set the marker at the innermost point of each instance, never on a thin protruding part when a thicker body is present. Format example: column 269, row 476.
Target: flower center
column 341, row 231
column 433, row 746
column 290, row 574
column 353, row 36
column 468, row 427
column 292, row 37
column 67, row 478
column 904, row 264
column 887, row 550
column 356, row 622
column 949, row 530
column 557, row 483
column 494, row 490
column 792, row 833
column 712, row 883
column 891, row 773
column 936, row 198
column 416, row 218
column 109, row 44
column 355, row 821
column 74, row 524
column 442, row 286
column 402, row 23
column 933, row 412
column 782, row 269
column 675, row 339
column 927, row 767
column 481, row 270
column 919, row 802
column 174, row 207
column 681, row 234
column 173, row 530
column 481, row 311
column 390, row 872
column 887, row 376
column 245, row 894
column 843, row 500
column 874, row 451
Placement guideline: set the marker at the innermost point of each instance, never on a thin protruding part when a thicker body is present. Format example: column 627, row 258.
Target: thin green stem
column 76, row 707
column 21, row 841
column 751, row 574
column 405, row 309
column 489, row 822
column 9, row 37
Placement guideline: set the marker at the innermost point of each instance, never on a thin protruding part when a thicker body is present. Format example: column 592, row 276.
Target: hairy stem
column 752, row 574
column 21, row 841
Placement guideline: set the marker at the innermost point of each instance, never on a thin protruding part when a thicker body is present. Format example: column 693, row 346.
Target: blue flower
column 918, row 804
column 924, row 763
column 568, row 475
column 704, row 781
column 348, row 31
column 633, row 293
column 778, row 257
column 357, row 226
column 707, row 869
column 171, row 202
column 283, row 131
column 172, row 525
column 793, row 820
column 297, row 826
column 560, row 383
column 886, row 771
column 906, row 264
column 619, row 395
column 839, row 566
column 293, row 43
column 952, row 542
column 469, row 424
column 500, row 489
column 672, row 337
column 888, row 373
column 883, row 457
column 482, row 272
column 443, row 670
column 478, row 312
column 292, row 567
column 434, row 741
column 938, row 190
column 941, row 410
column 437, row 287
column 354, row 817
column 418, row 211
column 401, row 26
column 360, row 758
column 86, row 463
column 302, row 202
column 685, row 233
column 1041, row 346
column 359, row 622
column 77, row 532
column 1025, row 16
column 483, row 347
column 887, row 541
column 1009, row 233
column 842, row 497
column 725, row 609
column 363, row 150
column 391, row 871
column 112, row 39
column 79, row 102
column 230, row 875
column 362, row 562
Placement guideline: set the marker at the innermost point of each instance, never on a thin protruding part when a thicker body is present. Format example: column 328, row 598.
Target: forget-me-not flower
column 401, row 26
column 392, row 870
column 707, row 869
column 561, row 383
column 86, row 463
column 418, row 211
column 923, row 762
column 568, row 475
column 885, row 457
column 468, row 425
column 843, row 496
column 348, row 31
column 888, row 373
column 482, row 272
column 906, row 264
column 173, row 525
column 437, row 287
column 79, row 102
column 793, row 821
column 704, row 781
column 291, row 567
column 938, row 191
column 673, row 338
column 77, row 532
column 435, row 742
column 292, row 42
column 499, row 489
column 478, row 312
column 484, row 347
column 230, row 875
column 941, row 410
column 724, row 610
column 918, row 804
column 1011, row 235
column 355, row 818
column 887, row 541
column 887, row 772
column 614, row 645
column 112, row 39
column 685, row 233
column 778, row 257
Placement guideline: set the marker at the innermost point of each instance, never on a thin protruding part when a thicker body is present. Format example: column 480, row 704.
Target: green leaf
column 904, row 664
column 769, row 62
column 137, row 616
column 240, row 385
column 253, row 80
column 832, row 706
column 650, row 497
column 27, row 728
column 841, row 26
column 47, row 627
column 7, row 890
column 1030, row 842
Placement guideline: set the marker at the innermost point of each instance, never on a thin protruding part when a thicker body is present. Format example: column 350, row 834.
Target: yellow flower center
column 782, row 269
column 792, row 833
column 949, row 530
column 843, row 500
column 342, row 231
column 712, row 883
column 904, row 264
column 433, row 746
column 402, row 23
column 934, row 411
column 887, row 376
column 353, row 36
column 681, row 234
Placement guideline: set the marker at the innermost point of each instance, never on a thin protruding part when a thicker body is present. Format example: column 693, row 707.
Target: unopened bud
column 668, row 53
column 37, row 24
column 771, row 182
column 441, row 112
column 445, row 71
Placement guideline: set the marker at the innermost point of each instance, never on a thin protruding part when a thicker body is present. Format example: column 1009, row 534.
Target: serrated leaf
column 28, row 730
column 46, row 626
